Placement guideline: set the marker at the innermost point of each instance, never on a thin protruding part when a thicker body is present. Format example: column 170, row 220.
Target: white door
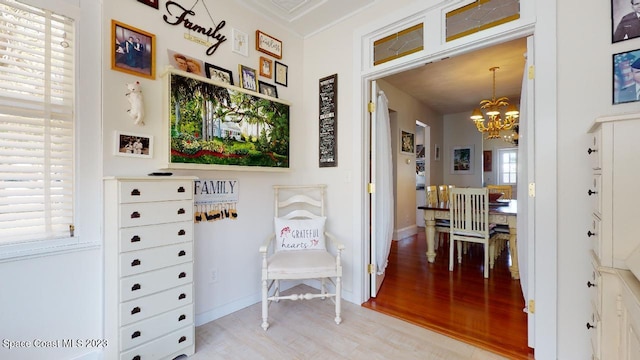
column 381, row 210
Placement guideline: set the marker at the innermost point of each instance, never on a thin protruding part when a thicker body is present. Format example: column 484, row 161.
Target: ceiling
column 448, row 86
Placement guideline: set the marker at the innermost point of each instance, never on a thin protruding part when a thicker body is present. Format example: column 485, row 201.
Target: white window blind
column 36, row 124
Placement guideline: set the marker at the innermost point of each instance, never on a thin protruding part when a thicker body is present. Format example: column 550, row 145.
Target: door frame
column 545, row 212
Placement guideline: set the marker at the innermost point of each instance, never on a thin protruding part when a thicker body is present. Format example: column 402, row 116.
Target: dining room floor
column 461, row 304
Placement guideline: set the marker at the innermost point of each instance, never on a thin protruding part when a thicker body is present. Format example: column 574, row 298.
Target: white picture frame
column 462, row 159
column 240, row 42
column 133, row 145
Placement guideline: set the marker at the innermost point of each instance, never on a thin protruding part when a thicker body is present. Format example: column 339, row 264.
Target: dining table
column 501, row 212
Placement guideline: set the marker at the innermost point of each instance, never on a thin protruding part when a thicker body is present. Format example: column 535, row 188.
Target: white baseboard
column 399, row 234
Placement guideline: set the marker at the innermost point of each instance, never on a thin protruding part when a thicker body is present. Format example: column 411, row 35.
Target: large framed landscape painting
column 220, row 126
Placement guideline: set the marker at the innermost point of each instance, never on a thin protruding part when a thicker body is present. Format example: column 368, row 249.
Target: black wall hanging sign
column 177, row 14
column 328, row 102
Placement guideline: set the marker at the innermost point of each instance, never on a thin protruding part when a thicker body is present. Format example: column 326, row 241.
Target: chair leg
column 492, row 254
column 459, row 252
column 265, row 306
column 486, row 261
column 323, row 288
column 451, row 241
column 338, row 319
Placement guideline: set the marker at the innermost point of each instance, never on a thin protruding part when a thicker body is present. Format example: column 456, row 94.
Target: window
column 36, row 124
column 508, row 166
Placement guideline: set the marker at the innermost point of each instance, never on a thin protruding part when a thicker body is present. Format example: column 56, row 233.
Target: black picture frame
column 624, row 20
column 281, row 74
column 153, row 3
column 328, row 121
column 625, row 84
column 218, row 73
column 267, row 89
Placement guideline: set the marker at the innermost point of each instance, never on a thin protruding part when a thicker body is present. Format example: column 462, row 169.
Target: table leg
column 430, row 234
column 513, row 248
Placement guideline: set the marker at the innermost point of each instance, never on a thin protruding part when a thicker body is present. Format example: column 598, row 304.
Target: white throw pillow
column 300, row 234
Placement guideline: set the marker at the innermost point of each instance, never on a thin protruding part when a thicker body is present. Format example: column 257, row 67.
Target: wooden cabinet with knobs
column 148, row 259
column 612, row 234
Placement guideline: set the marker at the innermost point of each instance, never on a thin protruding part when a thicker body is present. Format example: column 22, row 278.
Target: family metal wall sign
column 178, row 14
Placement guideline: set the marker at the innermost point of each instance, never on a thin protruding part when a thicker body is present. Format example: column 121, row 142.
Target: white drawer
column 594, row 236
column 146, row 307
column 136, row 286
column 595, row 155
column 594, row 191
column 162, row 347
column 139, row 214
column 143, row 331
column 143, row 237
column 145, row 191
column 136, row 262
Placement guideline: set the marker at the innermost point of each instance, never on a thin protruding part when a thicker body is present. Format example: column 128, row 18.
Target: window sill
column 28, row 250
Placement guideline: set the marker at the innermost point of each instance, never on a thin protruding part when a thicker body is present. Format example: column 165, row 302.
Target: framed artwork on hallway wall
column 486, row 160
column 407, row 142
column 462, row 160
column 626, row 76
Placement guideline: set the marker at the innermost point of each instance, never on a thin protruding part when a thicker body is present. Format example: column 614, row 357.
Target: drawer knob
column 590, row 234
column 182, row 253
column 589, row 326
column 182, row 232
column 182, row 339
column 136, row 287
column 181, row 211
column 182, row 275
column 181, row 189
column 590, row 151
column 182, row 296
column 135, row 192
column 135, row 238
column 135, row 215
column 182, row 317
column 136, row 262
column 137, row 357
column 591, row 192
column 135, row 334
column 135, row 310
column 590, row 284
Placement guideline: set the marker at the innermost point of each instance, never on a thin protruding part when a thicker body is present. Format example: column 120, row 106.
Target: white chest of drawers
column 613, row 235
column 148, row 258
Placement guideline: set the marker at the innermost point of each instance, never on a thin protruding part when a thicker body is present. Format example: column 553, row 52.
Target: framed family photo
column 133, row 50
column 462, row 160
column 624, row 20
column 218, row 74
column 266, row 67
column 248, row 79
column 133, row 145
column 153, row 3
column 626, row 77
column 281, row 73
column 267, row 89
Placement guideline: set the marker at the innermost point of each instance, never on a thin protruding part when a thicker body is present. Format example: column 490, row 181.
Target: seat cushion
column 301, row 262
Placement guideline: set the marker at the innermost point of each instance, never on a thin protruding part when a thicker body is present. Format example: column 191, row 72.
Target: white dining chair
column 469, row 222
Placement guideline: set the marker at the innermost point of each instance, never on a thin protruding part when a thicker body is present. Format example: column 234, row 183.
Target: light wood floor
column 306, row 330
column 460, row 303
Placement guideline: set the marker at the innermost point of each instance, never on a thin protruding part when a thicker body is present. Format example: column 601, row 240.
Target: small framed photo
column 487, row 159
column 152, row 3
column 462, row 160
column 248, row 79
column 240, row 43
column 185, row 63
column 133, row 145
column 626, row 77
column 624, row 20
column 281, row 72
column 266, row 67
column 268, row 44
column 407, row 142
column 267, row 89
column 218, row 74
column 134, row 50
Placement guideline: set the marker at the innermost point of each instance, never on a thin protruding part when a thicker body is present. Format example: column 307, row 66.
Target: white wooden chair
column 300, row 249
column 469, row 216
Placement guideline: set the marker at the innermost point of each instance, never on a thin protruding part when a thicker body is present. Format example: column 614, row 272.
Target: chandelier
column 495, row 121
